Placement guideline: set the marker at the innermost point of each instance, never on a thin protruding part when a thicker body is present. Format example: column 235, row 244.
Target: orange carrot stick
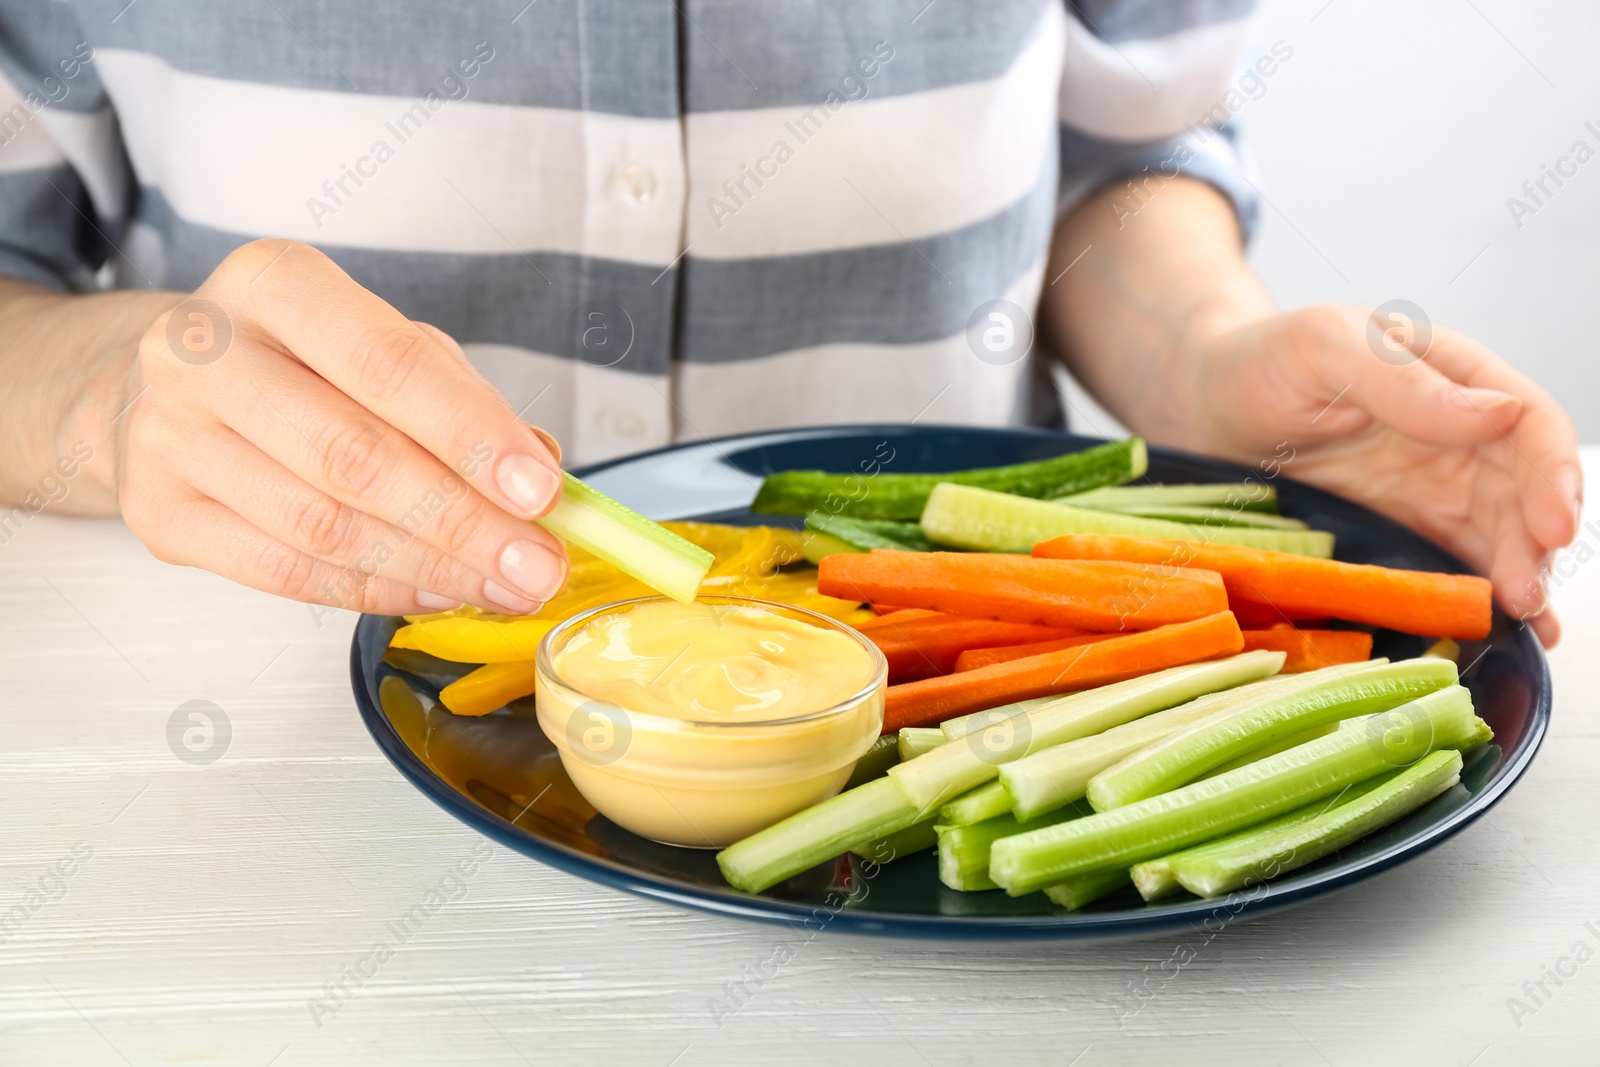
column 928, row 643
column 1310, row 650
column 889, row 609
column 988, row 657
column 1416, row 602
column 896, row 616
column 1256, row 616
column 933, row 700
column 1069, row 594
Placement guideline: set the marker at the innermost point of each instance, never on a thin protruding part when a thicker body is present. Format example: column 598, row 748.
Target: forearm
column 64, row 361
column 1155, row 280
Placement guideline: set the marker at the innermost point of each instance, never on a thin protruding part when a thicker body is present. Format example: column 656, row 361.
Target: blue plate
column 500, row 776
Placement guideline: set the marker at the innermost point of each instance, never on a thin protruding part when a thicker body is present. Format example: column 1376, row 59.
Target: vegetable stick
column 489, row 688
column 897, row 615
column 926, row 645
column 1417, row 602
column 932, row 700
column 975, row 657
column 1065, row 593
column 1308, row 650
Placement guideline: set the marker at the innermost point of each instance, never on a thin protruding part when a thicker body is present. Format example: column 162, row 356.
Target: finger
column 1543, row 440
column 1400, row 391
column 341, row 449
column 236, row 474
column 219, row 540
column 405, row 375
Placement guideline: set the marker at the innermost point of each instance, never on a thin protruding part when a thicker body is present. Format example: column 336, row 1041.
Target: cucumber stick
column 863, row 535
column 819, row 833
column 1221, row 870
column 1263, row 790
column 918, row 837
column 627, row 540
column 1234, row 496
column 913, row 741
column 886, row 495
column 963, row 516
column 1345, row 692
column 1198, row 516
column 1155, row 879
column 1060, row 775
column 964, row 850
column 952, row 769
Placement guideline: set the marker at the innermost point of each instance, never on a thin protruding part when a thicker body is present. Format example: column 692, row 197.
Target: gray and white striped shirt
column 646, row 221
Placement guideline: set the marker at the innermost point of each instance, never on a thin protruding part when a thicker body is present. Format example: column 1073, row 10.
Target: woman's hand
column 1426, row 426
column 286, row 428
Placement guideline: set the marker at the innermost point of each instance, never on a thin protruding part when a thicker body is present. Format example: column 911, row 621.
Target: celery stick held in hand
column 306, row 357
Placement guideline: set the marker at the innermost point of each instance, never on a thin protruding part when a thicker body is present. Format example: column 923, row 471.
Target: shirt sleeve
column 64, row 175
column 1150, row 87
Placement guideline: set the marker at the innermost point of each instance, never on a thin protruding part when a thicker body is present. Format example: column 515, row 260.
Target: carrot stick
column 889, row 609
column 1069, row 594
column 988, row 657
column 933, row 700
column 1310, row 650
column 1416, row 602
column 928, row 643
column 897, row 616
column 1256, row 616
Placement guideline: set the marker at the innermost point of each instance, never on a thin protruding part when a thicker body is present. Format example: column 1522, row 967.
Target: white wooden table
column 212, row 911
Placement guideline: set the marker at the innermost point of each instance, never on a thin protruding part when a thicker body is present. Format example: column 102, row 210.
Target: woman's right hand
column 287, row 429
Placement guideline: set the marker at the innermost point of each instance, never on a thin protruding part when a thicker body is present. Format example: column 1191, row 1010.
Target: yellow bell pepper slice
column 489, row 688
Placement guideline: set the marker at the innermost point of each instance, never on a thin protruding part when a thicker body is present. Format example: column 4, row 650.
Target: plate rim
column 1256, row 901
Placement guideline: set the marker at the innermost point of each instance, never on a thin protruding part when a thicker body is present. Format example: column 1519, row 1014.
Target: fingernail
column 549, row 442
column 1482, row 400
column 435, row 602
column 527, row 483
column 512, row 604
column 533, row 568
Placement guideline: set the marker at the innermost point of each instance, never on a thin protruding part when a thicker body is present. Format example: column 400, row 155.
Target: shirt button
column 636, row 182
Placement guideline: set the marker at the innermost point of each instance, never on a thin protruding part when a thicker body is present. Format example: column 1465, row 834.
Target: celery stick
column 963, row 516
column 1083, row 889
column 887, row 495
column 627, row 540
column 863, row 535
column 962, row 725
column 915, row 740
column 1182, row 757
column 984, row 802
column 1272, row 748
column 1219, row 871
column 1203, row 516
column 819, row 833
column 964, row 850
column 876, row 761
column 1263, row 790
column 1046, row 780
column 1154, row 878
column 1235, row 496
column 918, row 837
column 952, row 769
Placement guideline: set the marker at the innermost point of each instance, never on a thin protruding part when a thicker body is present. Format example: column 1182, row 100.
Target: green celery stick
column 1154, row 878
column 984, row 802
column 1355, row 689
column 1234, row 496
column 952, row 769
column 863, row 535
column 1046, row 780
column 1082, row 889
column 915, row 740
column 964, row 516
column 1272, row 748
column 964, row 850
column 876, row 761
column 1219, row 871
column 918, row 837
column 819, row 833
column 1263, row 790
column 627, row 540
column 886, row 495
column 962, row 725
column 1203, row 516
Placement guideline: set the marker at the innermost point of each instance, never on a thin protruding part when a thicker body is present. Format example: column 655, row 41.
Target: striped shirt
column 645, row 221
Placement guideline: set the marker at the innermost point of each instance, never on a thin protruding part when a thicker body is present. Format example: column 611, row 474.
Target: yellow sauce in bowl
column 699, row 724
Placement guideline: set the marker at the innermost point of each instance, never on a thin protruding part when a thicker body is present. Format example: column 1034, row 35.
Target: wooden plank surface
column 240, row 912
